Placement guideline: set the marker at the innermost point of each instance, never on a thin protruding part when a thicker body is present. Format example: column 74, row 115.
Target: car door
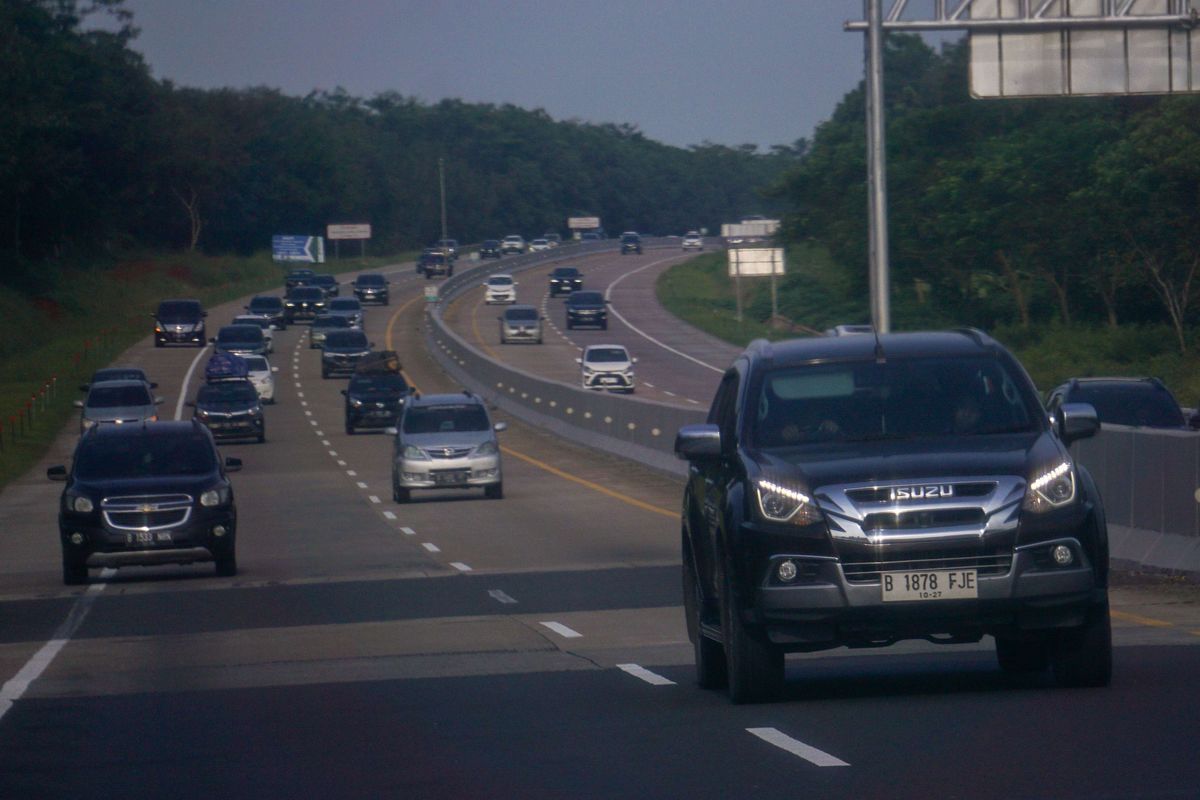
column 711, row 479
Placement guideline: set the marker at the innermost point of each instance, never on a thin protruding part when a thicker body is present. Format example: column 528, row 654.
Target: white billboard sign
column 355, row 231
column 1082, row 61
column 755, row 261
column 583, row 223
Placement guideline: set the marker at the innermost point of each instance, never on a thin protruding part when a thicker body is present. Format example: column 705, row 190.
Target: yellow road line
column 387, row 338
column 624, row 498
column 1149, row 622
column 479, row 336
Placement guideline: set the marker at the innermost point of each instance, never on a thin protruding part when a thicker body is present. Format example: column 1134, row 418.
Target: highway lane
column 349, row 659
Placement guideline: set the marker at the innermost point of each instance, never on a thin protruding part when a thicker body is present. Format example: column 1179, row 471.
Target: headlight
column 80, row 504
column 88, row 423
column 290, row 305
column 1051, row 488
column 781, row 504
column 354, row 401
column 414, row 453
column 215, row 497
column 201, row 413
column 486, row 449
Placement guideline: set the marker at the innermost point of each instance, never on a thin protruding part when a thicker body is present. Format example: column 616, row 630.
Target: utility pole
column 881, row 311
column 442, row 184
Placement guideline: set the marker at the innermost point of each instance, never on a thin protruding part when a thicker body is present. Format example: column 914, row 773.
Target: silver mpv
column 446, row 441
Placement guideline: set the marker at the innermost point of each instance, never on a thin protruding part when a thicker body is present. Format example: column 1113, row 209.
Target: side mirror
column 58, row 473
column 158, row 401
column 633, row 360
column 500, row 426
column 1077, row 421
column 83, row 387
column 698, row 442
column 579, row 361
column 78, row 404
column 153, row 385
column 274, row 369
column 607, row 301
column 372, row 344
column 232, row 464
column 391, row 431
column 212, row 340
column 343, row 392
column 190, row 404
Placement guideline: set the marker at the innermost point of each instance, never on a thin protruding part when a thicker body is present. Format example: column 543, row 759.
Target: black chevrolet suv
column 375, row 397
column 151, row 493
column 862, row 490
column 587, row 308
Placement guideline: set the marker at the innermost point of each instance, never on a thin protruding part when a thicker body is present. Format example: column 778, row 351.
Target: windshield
column 177, row 309
column 370, row 280
column 258, row 322
column 500, row 281
column 346, row 339
column 904, row 398
column 344, row 304
column 117, row 396
column 566, row 272
column 142, row 456
column 606, row 355
column 521, row 314
column 306, row 293
column 1132, row 404
column 118, row 374
column 227, row 392
column 240, row 333
column 445, row 419
column 378, row 383
column 331, row 322
column 586, row 299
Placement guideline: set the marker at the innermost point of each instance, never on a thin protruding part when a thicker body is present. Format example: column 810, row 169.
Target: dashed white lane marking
column 797, row 748
column 352, row 473
column 362, row 485
column 16, row 686
column 652, row 678
column 501, row 596
column 326, row 443
column 299, row 394
column 304, row 403
column 389, row 515
column 431, row 547
column 307, row 413
column 320, row 433
column 408, row 531
column 669, row 394
column 341, row 463
column 374, row 498
column 461, row 567
column 562, row 630
column 313, row 422
column 693, row 402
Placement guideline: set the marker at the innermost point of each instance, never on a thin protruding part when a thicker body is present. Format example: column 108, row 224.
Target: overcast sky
column 683, row 71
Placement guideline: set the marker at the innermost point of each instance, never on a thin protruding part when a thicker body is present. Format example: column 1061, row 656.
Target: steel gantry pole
column 881, row 311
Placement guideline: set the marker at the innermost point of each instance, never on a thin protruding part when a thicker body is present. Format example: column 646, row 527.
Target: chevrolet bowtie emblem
column 147, row 508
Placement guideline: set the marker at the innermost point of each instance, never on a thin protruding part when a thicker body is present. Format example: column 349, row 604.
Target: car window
column 445, row 419
column 1130, row 404
column 138, row 456
column 265, row 304
column 586, row 299
column 240, row 333
column 498, row 281
column 226, row 392
column 606, row 355
column 116, row 396
column 521, row 314
column 256, row 364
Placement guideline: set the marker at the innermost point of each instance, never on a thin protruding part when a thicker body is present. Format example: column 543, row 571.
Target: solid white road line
column 652, row 678
column 501, row 596
column 562, row 630
column 16, row 686
column 797, row 748
column 431, row 547
column 183, row 390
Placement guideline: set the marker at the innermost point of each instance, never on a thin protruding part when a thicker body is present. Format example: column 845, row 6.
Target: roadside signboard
column 751, row 262
column 752, row 228
column 307, row 249
column 583, row 223
column 431, row 293
column 351, row 231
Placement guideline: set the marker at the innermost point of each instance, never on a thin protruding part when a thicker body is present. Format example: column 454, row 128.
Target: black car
column 449, row 247
column 298, row 277
column 342, row 351
column 631, row 243
column 435, row 262
column 270, row 308
column 587, row 308
column 327, row 283
column 564, row 280
column 1139, row 402
column 241, row 340
column 374, row 399
column 179, row 322
column 146, row 494
column 231, row 409
column 303, row 302
column 490, row 249
column 857, row 491
column 371, row 288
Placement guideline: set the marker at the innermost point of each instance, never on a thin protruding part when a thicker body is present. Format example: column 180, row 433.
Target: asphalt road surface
column 459, row 647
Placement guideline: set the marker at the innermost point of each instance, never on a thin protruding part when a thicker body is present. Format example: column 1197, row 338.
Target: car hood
column 346, row 351
column 238, row 407
column 376, row 396
column 186, row 322
column 610, row 366
column 432, row 441
column 882, row 461
column 193, row 484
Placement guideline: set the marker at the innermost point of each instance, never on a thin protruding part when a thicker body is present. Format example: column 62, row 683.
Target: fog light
column 77, row 538
column 219, row 531
column 787, row 571
column 1062, row 555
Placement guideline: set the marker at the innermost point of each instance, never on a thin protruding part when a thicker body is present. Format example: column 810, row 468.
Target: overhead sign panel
column 755, row 261
column 1077, row 60
column 354, row 231
column 750, row 228
column 307, row 249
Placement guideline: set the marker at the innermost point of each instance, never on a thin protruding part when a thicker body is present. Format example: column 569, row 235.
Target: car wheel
column 570, row 325
column 158, row 343
column 400, row 494
column 262, row 437
column 603, row 326
column 1083, row 657
column 539, row 340
column 709, row 655
column 754, row 666
column 74, row 570
column 226, row 565
column 1017, row 656
column 349, row 429
column 494, row 492
column 385, row 302
column 324, row 373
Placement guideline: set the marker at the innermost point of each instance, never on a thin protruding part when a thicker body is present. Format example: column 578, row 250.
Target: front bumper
column 371, row 295
column 448, row 473
column 169, row 334
column 500, row 297
column 608, row 380
column 565, row 287
column 521, row 334
column 334, row 364
column 195, row 540
column 234, row 427
column 597, row 318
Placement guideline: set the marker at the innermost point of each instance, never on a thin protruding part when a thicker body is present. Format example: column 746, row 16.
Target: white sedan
column 262, row 375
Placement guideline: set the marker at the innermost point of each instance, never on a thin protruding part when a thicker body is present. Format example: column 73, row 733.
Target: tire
column 1083, row 657
column 262, row 437
column 158, row 343
column 494, row 492
column 74, row 571
column 349, row 429
column 709, row 655
column 570, row 325
column 539, row 340
column 400, row 494
column 603, row 326
column 226, row 565
column 324, row 373
column 754, row 666
column 1017, row 656
column 386, row 302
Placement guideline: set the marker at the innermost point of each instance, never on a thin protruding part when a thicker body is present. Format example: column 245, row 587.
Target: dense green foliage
column 1014, row 212
column 96, row 157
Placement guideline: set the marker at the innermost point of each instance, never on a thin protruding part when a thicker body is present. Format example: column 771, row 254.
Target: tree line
column 98, row 157
column 1070, row 210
